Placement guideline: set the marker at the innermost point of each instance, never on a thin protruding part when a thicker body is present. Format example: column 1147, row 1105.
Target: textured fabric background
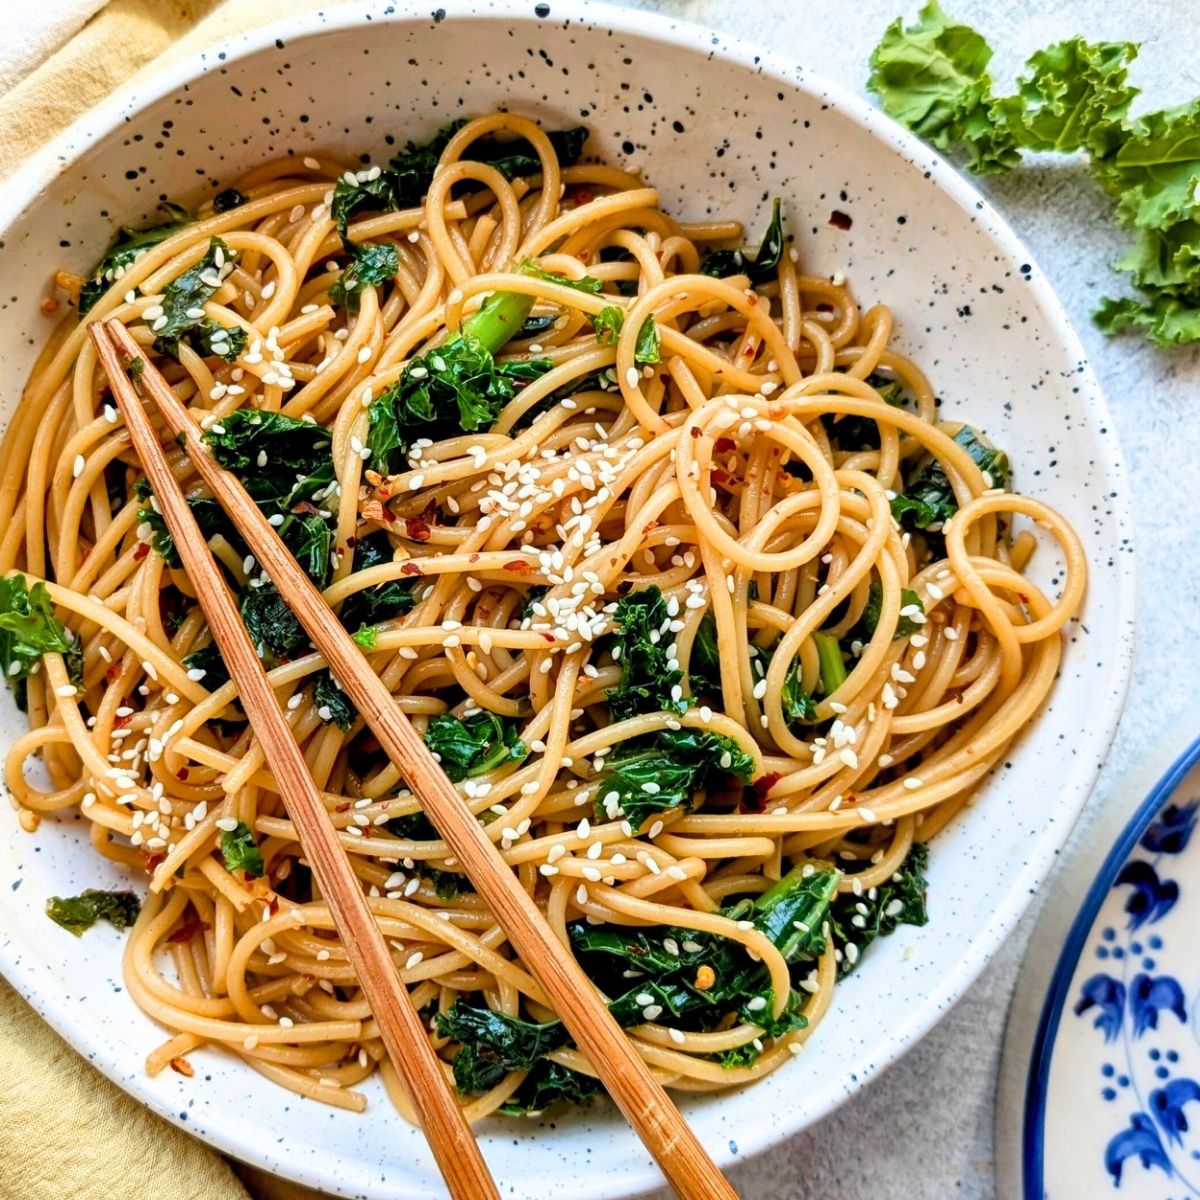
column 923, row 1132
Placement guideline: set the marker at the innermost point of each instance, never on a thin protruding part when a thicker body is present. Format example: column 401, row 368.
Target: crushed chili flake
column 113, row 673
column 410, row 568
column 519, row 566
column 724, row 445
column 840, row 220
column 140, row 551
column 416, row 529
column 182, row 1067
column 188, row 930
column 754, row 798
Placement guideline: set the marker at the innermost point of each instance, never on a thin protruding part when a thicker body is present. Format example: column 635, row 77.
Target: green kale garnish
column 928, row 500
column 608, row 323
column 28, row 630
column 664, row 773
column 228, row 200
column 588, row 284
column 285, row 464
column 382, row 602
column 491, row 1044
column 406, row 179
column 704, row 666
column 274, row 629
column 798, row 705
column 763, row 266
column 905, row 627
column 240, row 851
column 184, row 299
column 474, row 745
column 850, row 432
column 456, row 388
column 128, row 245
column 208, row 659
column 858, row 920
column 371, row 264
column 549, row 1083
column 648, row 682
column 365, row 637
column 333, row 705
column 79, row 913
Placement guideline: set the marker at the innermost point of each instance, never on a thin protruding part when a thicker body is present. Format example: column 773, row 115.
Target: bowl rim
column 1045, row 1040
column 24, row 188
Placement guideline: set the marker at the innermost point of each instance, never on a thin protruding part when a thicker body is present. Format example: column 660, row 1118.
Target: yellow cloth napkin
column 66, row 1131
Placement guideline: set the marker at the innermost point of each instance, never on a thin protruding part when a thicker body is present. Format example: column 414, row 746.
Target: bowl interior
column 719, row 130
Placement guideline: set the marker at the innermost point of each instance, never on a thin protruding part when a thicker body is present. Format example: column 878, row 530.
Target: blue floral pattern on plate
column 1114, row 1093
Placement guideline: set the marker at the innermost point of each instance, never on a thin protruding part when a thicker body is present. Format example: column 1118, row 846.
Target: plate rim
column 24, row 188
column 1045, row 1037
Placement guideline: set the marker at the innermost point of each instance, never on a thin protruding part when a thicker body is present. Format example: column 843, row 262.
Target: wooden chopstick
column 454, row 1146
column 685, row 1163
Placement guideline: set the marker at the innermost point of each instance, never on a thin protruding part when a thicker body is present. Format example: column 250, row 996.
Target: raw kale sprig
column 1073, row 96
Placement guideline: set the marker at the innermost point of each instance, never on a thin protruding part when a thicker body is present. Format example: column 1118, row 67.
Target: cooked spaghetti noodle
column 710, row 614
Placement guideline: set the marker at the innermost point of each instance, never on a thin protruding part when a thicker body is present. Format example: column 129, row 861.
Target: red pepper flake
column 351, row 542
column 754, row 798
column 410, row 568
column 473, row 558
column 305, row 508
column 695, row 431
column 583, row 195
column 121, row 722
column 183, row 774
column 430, row 513
column 140, row 551
column 416, row 529
column 724, row 445
column 840, row 220
column 153, row 861
column 113, row 673
column 343, row 807
column 519, row 566
column 181, row 1066
column 188, row 930
column 548, row 636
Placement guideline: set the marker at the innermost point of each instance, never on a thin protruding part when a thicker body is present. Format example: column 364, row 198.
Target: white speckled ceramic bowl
column 719, row 127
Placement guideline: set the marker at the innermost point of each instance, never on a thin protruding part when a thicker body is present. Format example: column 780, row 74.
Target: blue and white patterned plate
column 1111, row 1085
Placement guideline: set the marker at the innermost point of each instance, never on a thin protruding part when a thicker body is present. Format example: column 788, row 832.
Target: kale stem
column 833, row 669
column 498, row 319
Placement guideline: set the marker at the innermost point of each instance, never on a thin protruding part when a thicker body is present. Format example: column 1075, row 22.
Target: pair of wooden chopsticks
column 684, row 1162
